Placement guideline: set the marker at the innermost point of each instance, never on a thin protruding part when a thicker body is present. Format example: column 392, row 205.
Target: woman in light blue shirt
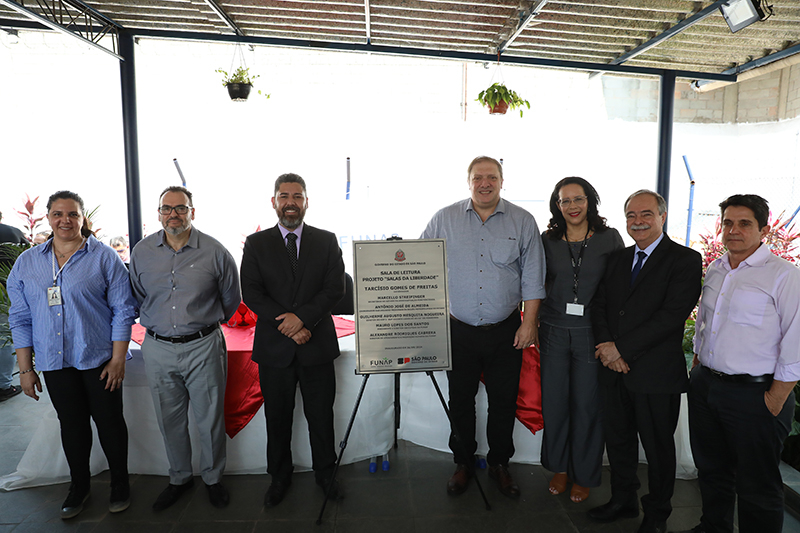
column 577, row 244
column 71, row 306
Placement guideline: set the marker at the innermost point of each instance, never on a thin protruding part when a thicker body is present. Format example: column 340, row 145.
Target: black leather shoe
column 505, row 483
column 699, row 528
column 336, row 493
column 73, row 505
column 171, row 494
column 10, row 392
column 457, row 484
column 218, row 495
column 652, row 526
column 276, row 492
column 612, row 511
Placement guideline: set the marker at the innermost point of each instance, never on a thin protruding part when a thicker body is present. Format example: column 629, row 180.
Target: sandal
column 559, row 483
column 578, row 493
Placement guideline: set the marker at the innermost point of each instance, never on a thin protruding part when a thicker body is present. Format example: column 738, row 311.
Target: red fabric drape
column 243, row 391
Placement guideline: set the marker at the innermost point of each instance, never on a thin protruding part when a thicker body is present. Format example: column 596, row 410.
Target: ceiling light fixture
column 741, row 13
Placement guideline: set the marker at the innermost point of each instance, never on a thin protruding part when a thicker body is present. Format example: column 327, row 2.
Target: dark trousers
column 318, row 387
column 571, row 407
column 78, row 395
column 489, row 352
column 654, row 418
column 737, row 444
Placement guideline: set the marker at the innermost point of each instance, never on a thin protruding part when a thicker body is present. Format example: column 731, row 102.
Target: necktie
column 291, row 249
column 637, row 267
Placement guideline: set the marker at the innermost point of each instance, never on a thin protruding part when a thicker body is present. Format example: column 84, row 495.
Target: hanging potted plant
column 498, row 98
column 238, row 83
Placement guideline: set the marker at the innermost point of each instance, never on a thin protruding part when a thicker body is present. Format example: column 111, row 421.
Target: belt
column 739, row 378
column 181, row 339
column 483, row 327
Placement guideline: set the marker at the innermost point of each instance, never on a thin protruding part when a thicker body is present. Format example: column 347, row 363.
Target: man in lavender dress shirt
column 746, row 363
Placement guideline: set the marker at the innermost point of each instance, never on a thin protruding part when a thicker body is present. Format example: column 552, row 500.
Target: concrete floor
column 410, row 497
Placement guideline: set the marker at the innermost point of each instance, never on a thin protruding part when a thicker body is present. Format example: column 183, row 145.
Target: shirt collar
column 297, row 231
column 649, row 250
column 757, row 258
column 193, row 242
column 47, row 245
column 499, row 208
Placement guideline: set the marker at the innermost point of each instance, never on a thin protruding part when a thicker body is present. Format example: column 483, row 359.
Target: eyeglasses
column 578, row 200
column 180, row 209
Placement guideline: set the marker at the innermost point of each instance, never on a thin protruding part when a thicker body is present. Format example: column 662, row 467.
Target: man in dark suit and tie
column 292, row 276
column 638, row 319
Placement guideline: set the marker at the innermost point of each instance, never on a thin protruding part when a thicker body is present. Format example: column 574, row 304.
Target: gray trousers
column 571, row 406
column 193, row 374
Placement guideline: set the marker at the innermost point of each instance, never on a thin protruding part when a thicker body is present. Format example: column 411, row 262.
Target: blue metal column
column 130, row 136
column 665, row 117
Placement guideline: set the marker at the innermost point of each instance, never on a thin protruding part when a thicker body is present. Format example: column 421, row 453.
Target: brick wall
column 768, row 98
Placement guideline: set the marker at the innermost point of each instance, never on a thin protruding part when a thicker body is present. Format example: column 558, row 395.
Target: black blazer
column 646, row 321
column 269, row 289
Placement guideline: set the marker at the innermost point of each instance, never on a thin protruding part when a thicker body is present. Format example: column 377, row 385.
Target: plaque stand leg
column 454, row 429
column 343, row 445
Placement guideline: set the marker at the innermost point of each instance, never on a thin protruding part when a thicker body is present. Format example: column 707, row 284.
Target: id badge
column 575, row 309
column 53, row 296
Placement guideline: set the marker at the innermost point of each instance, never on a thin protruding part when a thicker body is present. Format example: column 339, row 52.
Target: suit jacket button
column 621, row 313
column 616, row 337
column 294, row 305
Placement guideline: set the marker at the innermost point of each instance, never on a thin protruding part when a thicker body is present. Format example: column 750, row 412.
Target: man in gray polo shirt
column 186, row 283
column 495, row 260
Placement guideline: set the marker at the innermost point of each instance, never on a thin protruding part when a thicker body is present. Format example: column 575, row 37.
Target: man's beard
column 291, row 223
column 177, row 230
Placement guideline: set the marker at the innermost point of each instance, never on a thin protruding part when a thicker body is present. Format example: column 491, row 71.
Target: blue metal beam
column 398, row 50
column 665, row 113
column 428, row 53
column 760, row 62
column 130, row 132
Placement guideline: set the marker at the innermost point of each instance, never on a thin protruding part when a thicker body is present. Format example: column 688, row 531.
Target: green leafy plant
column 240, row 75
column 500, row 93
column 8, row 256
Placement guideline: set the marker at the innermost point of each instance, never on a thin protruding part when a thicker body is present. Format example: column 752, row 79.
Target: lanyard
column 576, row 263
column 53, row 259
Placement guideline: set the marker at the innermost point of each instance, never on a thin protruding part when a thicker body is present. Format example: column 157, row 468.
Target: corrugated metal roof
column 588, row 31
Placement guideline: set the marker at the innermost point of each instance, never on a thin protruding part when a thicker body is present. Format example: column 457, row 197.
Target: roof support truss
column 224, row 16
column 525, row 19
column 673, row 31
column 74, row 18
column 367, row 21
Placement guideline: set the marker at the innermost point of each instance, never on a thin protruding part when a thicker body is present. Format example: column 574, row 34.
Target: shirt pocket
column 748, row 307
column 505, row 251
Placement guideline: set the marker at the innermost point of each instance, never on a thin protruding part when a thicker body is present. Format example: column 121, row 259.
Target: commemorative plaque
column 402, row 313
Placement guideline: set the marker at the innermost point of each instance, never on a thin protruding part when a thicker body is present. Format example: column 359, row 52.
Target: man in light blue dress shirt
column 495, row 261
